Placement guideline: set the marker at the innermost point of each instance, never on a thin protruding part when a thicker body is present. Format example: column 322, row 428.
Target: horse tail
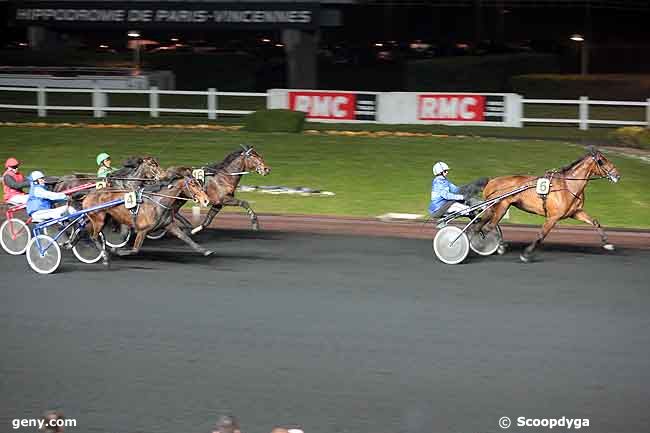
column 475, row 187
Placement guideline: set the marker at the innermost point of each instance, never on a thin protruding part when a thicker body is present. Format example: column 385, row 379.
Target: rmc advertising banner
column 488, row 109
column 327, row 105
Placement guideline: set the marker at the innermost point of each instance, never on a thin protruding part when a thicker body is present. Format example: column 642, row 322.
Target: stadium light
column 136, row 49
column 582, row 46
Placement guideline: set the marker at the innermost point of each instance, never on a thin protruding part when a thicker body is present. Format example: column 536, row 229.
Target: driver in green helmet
column 104, row 163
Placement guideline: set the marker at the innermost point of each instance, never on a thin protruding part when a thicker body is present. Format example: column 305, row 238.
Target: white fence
column 381, row 103
column 583, row 112
column 100, row 102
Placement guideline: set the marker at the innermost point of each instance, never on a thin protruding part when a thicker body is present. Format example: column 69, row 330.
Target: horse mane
column 163, row 183
column 572, row 164
column 227, row 160
column 132, row 161
column 177, row 172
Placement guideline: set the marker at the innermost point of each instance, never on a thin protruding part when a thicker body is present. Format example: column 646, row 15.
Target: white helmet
column 36, row 175
column 439, row 167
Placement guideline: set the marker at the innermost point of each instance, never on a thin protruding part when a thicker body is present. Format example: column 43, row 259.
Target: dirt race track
column 335, row 333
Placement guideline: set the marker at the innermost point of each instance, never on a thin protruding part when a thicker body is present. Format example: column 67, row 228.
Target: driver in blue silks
column 443, row 192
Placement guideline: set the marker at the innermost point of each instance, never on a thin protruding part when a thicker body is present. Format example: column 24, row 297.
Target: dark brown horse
column 565, row 198
column 154, row 212
column 222, row 178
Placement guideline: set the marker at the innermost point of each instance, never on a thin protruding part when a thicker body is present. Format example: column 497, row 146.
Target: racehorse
column 222, row 179
column 155, row 211
column 565, row 198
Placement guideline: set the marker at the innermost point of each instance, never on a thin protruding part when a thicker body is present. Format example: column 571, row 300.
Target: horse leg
column 137, row 244
column 495, row 214
column 180, row 234
column 214, row 210
column 97, row 222
column 231, row 201
column 583, row 216
column 183, row 220
column 546, row 228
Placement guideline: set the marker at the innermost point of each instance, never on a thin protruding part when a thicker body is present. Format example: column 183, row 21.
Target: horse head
column 149, row 168
column 193, row 189
column 603, row 166
column 253, row 161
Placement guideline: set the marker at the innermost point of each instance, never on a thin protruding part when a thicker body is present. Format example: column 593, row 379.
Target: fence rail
column 100, row 105
column 583, row 121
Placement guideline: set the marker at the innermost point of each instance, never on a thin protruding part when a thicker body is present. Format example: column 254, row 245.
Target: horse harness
column 546, row 180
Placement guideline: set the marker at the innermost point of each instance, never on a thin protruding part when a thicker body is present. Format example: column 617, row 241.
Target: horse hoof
column 208, row 253
column 609, row 247
column 501, row 250
column 256, row 227
column 524, row 258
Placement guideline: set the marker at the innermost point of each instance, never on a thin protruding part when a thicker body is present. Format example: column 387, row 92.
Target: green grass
column 370, row 176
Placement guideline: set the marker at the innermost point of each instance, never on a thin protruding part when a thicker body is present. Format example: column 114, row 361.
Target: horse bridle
column 600, row 163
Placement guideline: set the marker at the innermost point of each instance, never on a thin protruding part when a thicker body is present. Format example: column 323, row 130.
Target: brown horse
column 222, row 179
column 155, row 211
column 565, row 198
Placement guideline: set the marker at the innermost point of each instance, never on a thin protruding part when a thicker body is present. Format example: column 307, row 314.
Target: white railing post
column 154, row 101
column 514, row 109
column 99, row 103
column 212, row 103
column 584, row 113
column 41, row 101
column 647, row 113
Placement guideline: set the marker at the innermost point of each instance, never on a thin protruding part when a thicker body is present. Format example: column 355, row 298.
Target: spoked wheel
column 84, row 247
column 14, row 236
column 57, row 229
column 43, row 254
column 157, row 234
column 116, row 238
column 449, row 253
column 486, row 244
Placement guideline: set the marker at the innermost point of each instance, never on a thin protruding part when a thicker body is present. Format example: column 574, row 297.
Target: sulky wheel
column 157, row 234
column 85, row 249
column 57, row 229
column 43, row 254
column 116, row 238
column 14, row 236
column 447, row 252
column 486, row 244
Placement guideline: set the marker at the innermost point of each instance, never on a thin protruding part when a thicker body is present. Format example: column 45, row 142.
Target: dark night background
column 619, row 43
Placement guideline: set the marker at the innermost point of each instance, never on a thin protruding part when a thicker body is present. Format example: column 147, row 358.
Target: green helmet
column 102, row 157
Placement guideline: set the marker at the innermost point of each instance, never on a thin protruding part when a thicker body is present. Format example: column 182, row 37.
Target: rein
column 167, row 196
column 116, row 178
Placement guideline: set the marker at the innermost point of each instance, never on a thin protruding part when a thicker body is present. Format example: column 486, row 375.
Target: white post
column 647, row 113
column 584, row 113
column 212, row 103
column 513, row 110
column 154, row 101
column 98, row 102
column 41, row 102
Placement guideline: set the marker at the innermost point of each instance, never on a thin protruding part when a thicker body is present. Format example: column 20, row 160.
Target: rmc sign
column 489, row 109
